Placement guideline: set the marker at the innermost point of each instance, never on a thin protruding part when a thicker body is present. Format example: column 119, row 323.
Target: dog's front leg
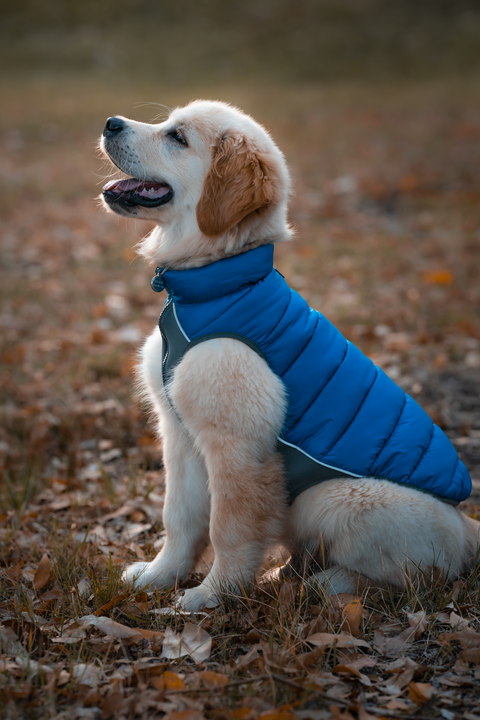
column 185, row 514
column 233, row 406
column 245, row 521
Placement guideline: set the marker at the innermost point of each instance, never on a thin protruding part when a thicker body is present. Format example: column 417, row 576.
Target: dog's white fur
column 224, row 479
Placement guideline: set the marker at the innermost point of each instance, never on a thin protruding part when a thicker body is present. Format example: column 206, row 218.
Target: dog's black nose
column 113, row 126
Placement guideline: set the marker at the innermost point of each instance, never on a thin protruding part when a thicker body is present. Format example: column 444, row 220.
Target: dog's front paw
column 137, row 575
column 141, row 575
column 195, row 598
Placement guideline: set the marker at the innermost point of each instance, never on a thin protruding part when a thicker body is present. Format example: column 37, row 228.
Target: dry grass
column 388, row 217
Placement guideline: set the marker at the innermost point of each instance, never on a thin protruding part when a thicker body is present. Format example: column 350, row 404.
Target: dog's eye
column 178, row 137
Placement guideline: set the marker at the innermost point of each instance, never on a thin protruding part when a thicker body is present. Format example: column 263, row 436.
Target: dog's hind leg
column 233, row 406
column 335, row 580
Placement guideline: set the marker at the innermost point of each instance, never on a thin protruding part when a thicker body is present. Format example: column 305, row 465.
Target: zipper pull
column 158, row 283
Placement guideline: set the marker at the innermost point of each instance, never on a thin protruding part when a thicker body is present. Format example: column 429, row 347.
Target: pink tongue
column 141, row 187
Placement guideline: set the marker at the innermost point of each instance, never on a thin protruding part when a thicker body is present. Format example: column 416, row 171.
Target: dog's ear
column 240, row 180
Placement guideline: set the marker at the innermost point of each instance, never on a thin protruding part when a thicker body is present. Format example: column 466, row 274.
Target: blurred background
column 254, row 41
column 376, row 105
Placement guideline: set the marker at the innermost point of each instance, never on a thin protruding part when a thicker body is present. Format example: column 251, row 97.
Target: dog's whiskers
column 161, row 116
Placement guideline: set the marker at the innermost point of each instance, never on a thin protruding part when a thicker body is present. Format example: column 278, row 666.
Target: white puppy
column 216, row 185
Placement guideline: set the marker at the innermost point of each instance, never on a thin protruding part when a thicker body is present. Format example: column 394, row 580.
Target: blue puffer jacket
column 345, row 416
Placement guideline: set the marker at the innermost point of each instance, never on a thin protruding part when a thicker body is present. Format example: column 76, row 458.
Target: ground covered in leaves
column 387, row 213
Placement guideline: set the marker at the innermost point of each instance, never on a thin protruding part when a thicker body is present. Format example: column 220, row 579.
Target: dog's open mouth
column 133, row 192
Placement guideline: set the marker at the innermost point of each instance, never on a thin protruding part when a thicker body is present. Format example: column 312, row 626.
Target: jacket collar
column 220, row 278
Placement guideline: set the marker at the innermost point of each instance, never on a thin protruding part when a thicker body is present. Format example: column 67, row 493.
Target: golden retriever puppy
column 254, row 455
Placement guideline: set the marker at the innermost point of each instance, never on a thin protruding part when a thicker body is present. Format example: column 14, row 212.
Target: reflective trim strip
column 178, row 323
column 332, row 467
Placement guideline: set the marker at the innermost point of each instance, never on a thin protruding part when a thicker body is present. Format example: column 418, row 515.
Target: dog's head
column 210, row 177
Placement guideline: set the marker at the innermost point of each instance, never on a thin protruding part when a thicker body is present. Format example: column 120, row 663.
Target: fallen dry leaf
column 111, row 604
column 63, row 640
column 346, row 668
column 111, row 704
column 253, row 636
column 394, row 685
column 394, row 645
column 190, row 714
column 87, row 674
column 198, row 640
column 92, row 698
column 454, row 681
column 9, row 642
column 22, row 690
column 471, row 655
column 15, row 571
column 109, row 627
column 466, row 639
column 343, row 640
column 42, row 574
column 282, row 713
column 458, row 585
column 397, row 705
column 457, row 621
column 168, row 681
column 139, row 552
column 141, row 601
column 209, row 678
column 418, row 621
column 437, row 277
column 63, row 678
column 252, row 661
column 318, row 624
column 338, row 714
column 238, row 714
column 353, row 613
column 194, row 641
column 47, row 600
column 150, row 634
column 364, row 715
column 325, row 681
column 342, row 599
column 420, row 693
column 361, row 661
column 146, row 669
column 306, row 660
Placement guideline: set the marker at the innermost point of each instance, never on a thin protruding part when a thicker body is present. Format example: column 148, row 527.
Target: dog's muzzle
column 129, row 193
